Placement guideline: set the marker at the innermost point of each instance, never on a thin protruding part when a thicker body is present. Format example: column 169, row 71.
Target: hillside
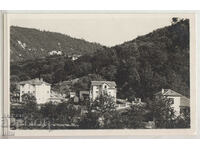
column 161, row 60
column 140, row 67
column 27, row 43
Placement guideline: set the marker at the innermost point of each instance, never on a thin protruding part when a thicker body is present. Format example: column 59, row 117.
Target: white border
column 124, row 133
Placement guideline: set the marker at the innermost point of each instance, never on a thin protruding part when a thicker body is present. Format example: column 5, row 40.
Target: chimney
column 163, row 91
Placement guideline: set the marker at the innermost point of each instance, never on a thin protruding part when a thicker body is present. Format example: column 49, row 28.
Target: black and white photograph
column 99, row 72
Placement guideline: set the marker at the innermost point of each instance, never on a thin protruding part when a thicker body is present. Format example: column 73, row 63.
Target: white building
column 103, row 87
column 55, row 52
column 180, row 103
column 40, row 89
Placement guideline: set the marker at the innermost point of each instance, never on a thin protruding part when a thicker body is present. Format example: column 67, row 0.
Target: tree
column 62, row 87
column 28, row 98
column 114, row 120
column 174, row 20
column 82, row 68
column 183, row 120
column 89, row 121
column 69, row 66
column 58, row 75
column 98, row 112
column 29, row 107
column 103, row 104
column 66, row 112
column 61, row 113
column 134, row 117
column 24, row 77
column 163, row 113
column 109, row 72
column 49, row 112
column 47, row 77
column 13, row 83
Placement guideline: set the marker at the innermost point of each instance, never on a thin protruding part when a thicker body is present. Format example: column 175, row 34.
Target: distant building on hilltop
column 37, row 87
column 103, row 87
column 180, row 103
column 54, row 52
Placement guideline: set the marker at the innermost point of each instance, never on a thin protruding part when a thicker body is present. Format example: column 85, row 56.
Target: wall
column 185, row 102
column 42, row 93
column 27, row 88
column 100, row 89
column 112, row 92
column 94, row 94
column 176, row 104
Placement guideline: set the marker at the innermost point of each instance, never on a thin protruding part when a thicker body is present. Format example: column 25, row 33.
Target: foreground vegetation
column 98, row 114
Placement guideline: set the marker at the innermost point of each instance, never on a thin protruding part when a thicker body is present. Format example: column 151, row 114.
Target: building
column 57, row 97
column 75, row 99
column 72, row 94
column 180, row 103
column 40, row 89
column 138, row 101
column 122, row 104
column 103, row 87
column 83, row 95
column 55, row 52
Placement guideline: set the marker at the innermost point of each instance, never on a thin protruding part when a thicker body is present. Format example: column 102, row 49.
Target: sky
column 106, row 29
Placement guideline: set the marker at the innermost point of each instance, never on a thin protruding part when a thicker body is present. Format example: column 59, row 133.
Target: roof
column 185, row 102
column 168, row 92
column 35, row 81
column 112, row 84
column 72, row 92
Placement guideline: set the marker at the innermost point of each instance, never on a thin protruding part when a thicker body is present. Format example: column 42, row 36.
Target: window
column 22, row 91
column 34, row 92
column 171, row 100
column 105, row 86
column 47, row 91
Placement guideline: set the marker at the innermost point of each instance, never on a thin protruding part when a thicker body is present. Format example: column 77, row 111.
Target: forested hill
column 160, row 59
column 28, row 43
column 140, row 67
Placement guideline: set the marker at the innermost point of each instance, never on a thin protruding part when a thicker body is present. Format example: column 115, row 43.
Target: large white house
column 40, row 89
column 180, row 103
column 103, row 87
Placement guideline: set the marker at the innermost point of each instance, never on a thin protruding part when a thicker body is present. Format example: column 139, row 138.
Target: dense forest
column 27, row 43
column 140, row 67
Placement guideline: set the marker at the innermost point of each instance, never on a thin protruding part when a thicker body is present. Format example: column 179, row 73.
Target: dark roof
column 35, row 81
column 168, row 92
column 110, row 83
